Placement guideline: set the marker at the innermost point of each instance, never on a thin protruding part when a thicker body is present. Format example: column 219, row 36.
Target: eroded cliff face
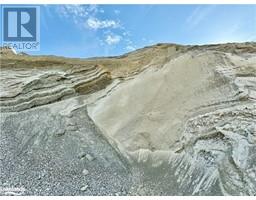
column 163, row 120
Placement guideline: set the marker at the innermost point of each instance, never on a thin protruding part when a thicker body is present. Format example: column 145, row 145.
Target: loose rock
column 89, row 157
column 84, row 188
column 85, row 172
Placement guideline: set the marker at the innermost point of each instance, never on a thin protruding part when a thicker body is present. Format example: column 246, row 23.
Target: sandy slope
column 162, row 120
column 150, row 110
column 198, row 110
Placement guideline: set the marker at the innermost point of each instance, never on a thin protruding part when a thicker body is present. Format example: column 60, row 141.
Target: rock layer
column 163, row 120
column 23, row 90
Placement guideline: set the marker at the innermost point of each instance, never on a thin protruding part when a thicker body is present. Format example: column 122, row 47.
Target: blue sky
column 106, row 30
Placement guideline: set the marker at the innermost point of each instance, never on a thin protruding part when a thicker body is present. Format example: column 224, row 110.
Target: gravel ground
column 50, row 154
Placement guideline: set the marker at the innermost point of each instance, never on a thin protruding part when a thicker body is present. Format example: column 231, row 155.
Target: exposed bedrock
column 193, row 119
column 23, row 90
column 163, row 120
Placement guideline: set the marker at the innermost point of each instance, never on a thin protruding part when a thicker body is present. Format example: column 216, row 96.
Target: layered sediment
column 163, row 120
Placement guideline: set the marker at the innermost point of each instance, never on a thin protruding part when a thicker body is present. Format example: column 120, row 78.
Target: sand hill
column 163, row 120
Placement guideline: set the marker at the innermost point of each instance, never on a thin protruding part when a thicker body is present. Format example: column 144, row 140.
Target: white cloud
column 130, row 48
column 198, row 15
column 78, row 13
column 232, row 33
column 92, row 17
column 117, row 12
column 72, row 10
column 94, row 23
column 93, row 8
column 86, row 13
column 147, row 41
column 112, row 39
column 127, row 33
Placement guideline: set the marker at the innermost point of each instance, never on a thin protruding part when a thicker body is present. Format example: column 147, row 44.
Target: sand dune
column 162, row 120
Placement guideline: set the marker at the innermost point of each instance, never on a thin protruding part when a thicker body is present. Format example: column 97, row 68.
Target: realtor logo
column 21, row 27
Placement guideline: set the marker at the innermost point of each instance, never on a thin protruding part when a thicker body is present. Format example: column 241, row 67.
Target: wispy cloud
column 86, row 16
column 95, row 23
column 112, row 39
column 79, row 13
column 232, row 33
column 130, row 48
column 101, row 10
column 76, row 12
column 198, row 15
column 147, row 41
column 117, row 12
column 251, row 38
column 109, row 31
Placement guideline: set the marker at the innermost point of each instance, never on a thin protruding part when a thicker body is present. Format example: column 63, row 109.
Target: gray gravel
column 43, row 157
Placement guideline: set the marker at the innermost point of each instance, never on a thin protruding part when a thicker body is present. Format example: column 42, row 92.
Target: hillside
column 163, row 120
